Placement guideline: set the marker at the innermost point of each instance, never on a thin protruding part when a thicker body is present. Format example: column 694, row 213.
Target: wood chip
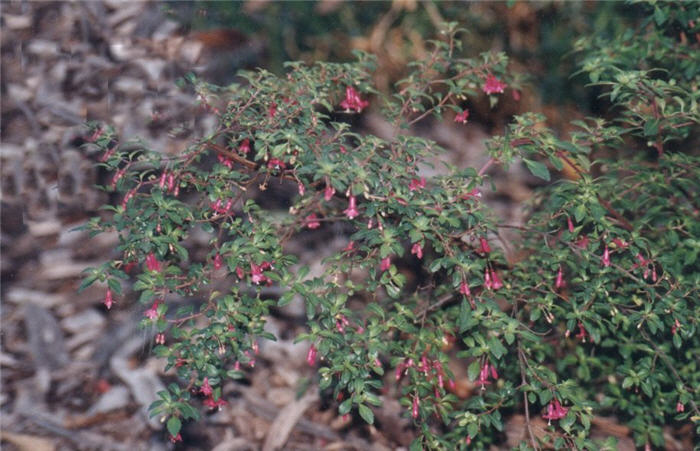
column 284, row 423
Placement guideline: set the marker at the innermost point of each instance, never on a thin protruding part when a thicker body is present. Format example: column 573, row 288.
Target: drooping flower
column 350, row 247
column 414, row 407
column 311, row 355
column 160, row 339
column 464, row 289
column 272, row 110
column 256, row 274
column 555, row 411
column 351, row 212
column 560, row 279
column 211, row 404
column 606, row 257
column 152, row 313
column 416, row 184
column 493, row 85
column 516, row 95
column 108, row 299
column 353, row 101
column 582, row 242
column 244, row 147
column 582, row 334
column 206, row 388
column 417, row 250
column 218, row 261
column 176, row 438
column 152, row 263
column 620, row 243
column 462, row 117
column 276, row 164
column 570, row 223
column 496, row 283
column 487, row 370
column 328, row 193
column 223, row 160
column 485, row 248
column 312, row 221
column 680, row 407
column 301, row 188
column 385, row 264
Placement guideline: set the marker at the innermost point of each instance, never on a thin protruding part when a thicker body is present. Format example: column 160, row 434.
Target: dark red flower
column 493, row 85
column 416, row 184
column 485, row 248
column 462, row 117
column 385, row 264
column 244, row 147
column 152, row 263
column 555, row 411
column 353, row 101
column 311, row 355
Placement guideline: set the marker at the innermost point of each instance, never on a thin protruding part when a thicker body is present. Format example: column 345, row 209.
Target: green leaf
column 174, row 425
column 538, row 169
column 366, row 413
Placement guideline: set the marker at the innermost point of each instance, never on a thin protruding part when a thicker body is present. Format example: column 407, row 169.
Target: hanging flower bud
column 328, row 193
column 351, row 212
column 485, row 248
column 570, row 224
column 414, row 408
column 160, row 339
column 244, row 147
column 417, row 250
column 108, row 299
column 301, row 188
column 680, row 407
column 606, row 257
column 311, row 355
column 416, row 184
column 462, row 117
column 464, row 289
column 312, row 221
column 385, row 264
column 206, row 388
column 488, row 283
column 218, row 261
column 152, row 263
column 559, row 283
column 493, row 85
column 350, row 247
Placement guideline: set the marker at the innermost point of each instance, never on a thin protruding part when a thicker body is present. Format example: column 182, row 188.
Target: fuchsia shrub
column 598, row 318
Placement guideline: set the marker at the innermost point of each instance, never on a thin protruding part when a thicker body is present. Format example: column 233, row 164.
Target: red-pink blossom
column 108, row 299
column 414, row 407
column 606, row 257
column 485, row 248
column 312, row 221
column 487, row 370
column 224, row 160
column 311, row 355
column 353, row 101
column 160, row 339
column 560, row 279
column 350, row 247
column 152, row 263
column 464, row 289
column 493, row 85
column 416, row 184
column 516, row 95
column 620, row 243
column 211, row 404
column 582, row 334
column 417, row 250
column 256, row 274
column 244, row 147
column 385, row 264
column 152, row 313
column 206, row 388
column 555, row 411
column 272, row 110
column 462, row 117
column 301, row 188
column 570, row 223
column 582, row 242
column 218, row 261
column 176, row 438
column 491, row 279
column 351, row 212
column 328, row 193
column 680, row 407
column 276, row 164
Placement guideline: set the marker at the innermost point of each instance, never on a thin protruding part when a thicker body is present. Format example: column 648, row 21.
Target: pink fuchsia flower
column 176, row 438
column 620, row 243
column 417, row 250
column 272, row 110
column 312, row 221
column 160, row 339
column 152, row 313
column 276, row 164
column 244, row 147
column 385, row 264
column 516, row 95
column 211, row 404
column 108, row 299
column 301, row 188
column 350, row 247
column 351, row 212
column 311, row 355
column 256, row 274
column 206, row 388
column 582, row 242
column 680, row 407
column 493, row 85
column 485, row 248
column 218, row 261
column 491, row 280
column 487, row 370
column 328, row 193
column 223, row 160
column 555, row 411
column 353, row 101
column 606, row 257
column 152, row 263
column 414, row 407
column 464, row 289
column 462, row 117
column 559, row 283
column 416, row 184
column 570, row 223
column 582, row 334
